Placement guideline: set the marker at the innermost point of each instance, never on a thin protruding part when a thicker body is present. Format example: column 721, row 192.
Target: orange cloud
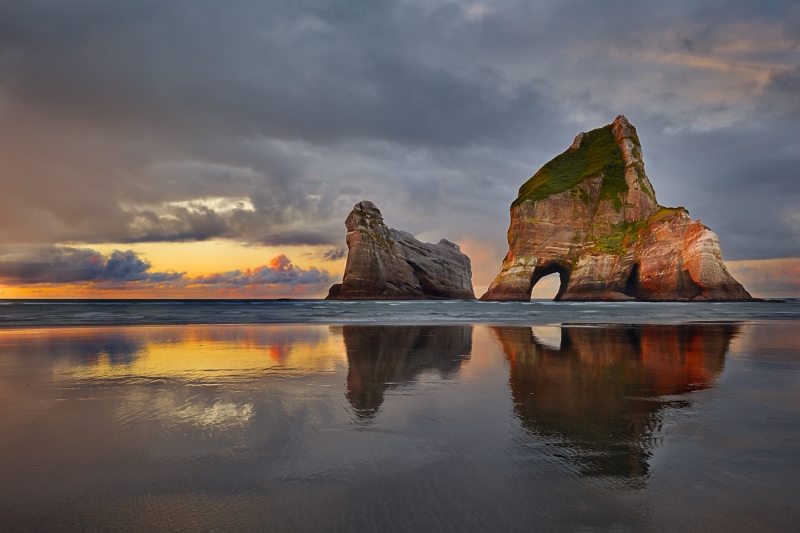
column 769, row 278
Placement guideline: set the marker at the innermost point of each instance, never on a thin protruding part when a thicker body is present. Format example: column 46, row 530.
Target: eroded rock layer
column 591, row 216
column 389, row 264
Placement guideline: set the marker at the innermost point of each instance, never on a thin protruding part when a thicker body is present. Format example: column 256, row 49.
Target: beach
column 621, row 419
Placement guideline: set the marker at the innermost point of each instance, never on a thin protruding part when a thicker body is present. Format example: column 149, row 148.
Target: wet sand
column 401, row 428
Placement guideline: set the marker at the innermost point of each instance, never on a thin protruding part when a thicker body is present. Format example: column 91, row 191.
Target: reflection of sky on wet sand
column 192, row 353
column 407, row 427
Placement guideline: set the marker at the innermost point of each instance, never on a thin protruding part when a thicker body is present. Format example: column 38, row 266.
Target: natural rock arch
column 591, row 214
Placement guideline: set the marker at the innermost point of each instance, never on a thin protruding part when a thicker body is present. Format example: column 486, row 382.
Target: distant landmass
column 591, row 216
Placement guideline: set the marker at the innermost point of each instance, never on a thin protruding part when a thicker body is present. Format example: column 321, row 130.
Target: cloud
column 264, row 122
column 329, row 255
column 64, row 265
column 334, row 254
column 782, row 95
column 300, row 71
column 279, row 271
column 175, row 223
column 92, row 271
column 769, row 279
column 300, row 237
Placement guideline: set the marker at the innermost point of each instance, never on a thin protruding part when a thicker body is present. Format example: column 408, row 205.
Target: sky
column 191, row 148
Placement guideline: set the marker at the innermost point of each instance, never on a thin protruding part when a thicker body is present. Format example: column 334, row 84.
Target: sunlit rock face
column 379, row 358
column 388, row 264
column 591, row 216
column 600, row 397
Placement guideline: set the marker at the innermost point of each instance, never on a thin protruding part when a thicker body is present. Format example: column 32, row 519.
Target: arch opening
column 553, row 268
column 547, row 287
column 632, row 283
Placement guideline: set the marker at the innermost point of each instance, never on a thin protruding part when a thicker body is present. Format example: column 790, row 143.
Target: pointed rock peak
column 369, row 209
column 577, row 142
column 620, row 120
column 622, row 129
column 595, row 153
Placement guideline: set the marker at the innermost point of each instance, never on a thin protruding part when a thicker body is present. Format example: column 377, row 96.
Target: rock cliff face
column 591, row 216
column 389, row 264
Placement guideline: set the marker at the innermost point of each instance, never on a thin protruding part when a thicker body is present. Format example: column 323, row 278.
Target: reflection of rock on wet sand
column 599, row 398
column 381, row 357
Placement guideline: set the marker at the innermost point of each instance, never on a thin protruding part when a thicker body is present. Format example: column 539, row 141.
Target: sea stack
column 591, row 216
column 388, row 264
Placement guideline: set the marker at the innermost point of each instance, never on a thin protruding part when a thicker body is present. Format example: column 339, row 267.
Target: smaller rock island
column 389, row 264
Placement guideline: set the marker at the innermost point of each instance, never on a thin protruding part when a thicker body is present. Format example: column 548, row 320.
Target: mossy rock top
column 598, row 154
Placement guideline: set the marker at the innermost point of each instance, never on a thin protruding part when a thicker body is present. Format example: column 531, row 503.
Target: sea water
column 25, row 313
column 399, row 416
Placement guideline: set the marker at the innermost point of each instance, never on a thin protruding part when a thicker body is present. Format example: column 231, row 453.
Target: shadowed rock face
column 381, row 357
column 389, row 264
column 591, row 216
column 599, row 397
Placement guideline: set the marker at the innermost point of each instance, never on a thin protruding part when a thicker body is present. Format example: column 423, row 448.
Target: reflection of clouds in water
column 118, row 350
column 175, row 411
column 193, row 353
column 217, row 415
column 166, row 358
column 76, row 346
column 599, row 398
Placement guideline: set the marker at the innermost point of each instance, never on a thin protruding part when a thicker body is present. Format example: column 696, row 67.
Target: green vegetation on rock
column 664, row 212
column 581, row 193
column 623, row 235
column 597, row 155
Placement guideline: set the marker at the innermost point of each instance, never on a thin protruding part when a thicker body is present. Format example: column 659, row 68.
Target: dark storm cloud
column 320, row 71
column 265, row 121
column 52, row 265
column 181, row 224
column 35, row 265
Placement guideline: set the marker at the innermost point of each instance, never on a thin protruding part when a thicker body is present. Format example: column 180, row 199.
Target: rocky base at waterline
column 591, row 216
column 389, row 264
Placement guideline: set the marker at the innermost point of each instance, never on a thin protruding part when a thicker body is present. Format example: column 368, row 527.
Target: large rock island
column 591, row 216
column 389, row 264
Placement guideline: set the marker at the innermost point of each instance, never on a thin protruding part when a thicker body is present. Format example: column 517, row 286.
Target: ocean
column 307, row 415
column 58, row 313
